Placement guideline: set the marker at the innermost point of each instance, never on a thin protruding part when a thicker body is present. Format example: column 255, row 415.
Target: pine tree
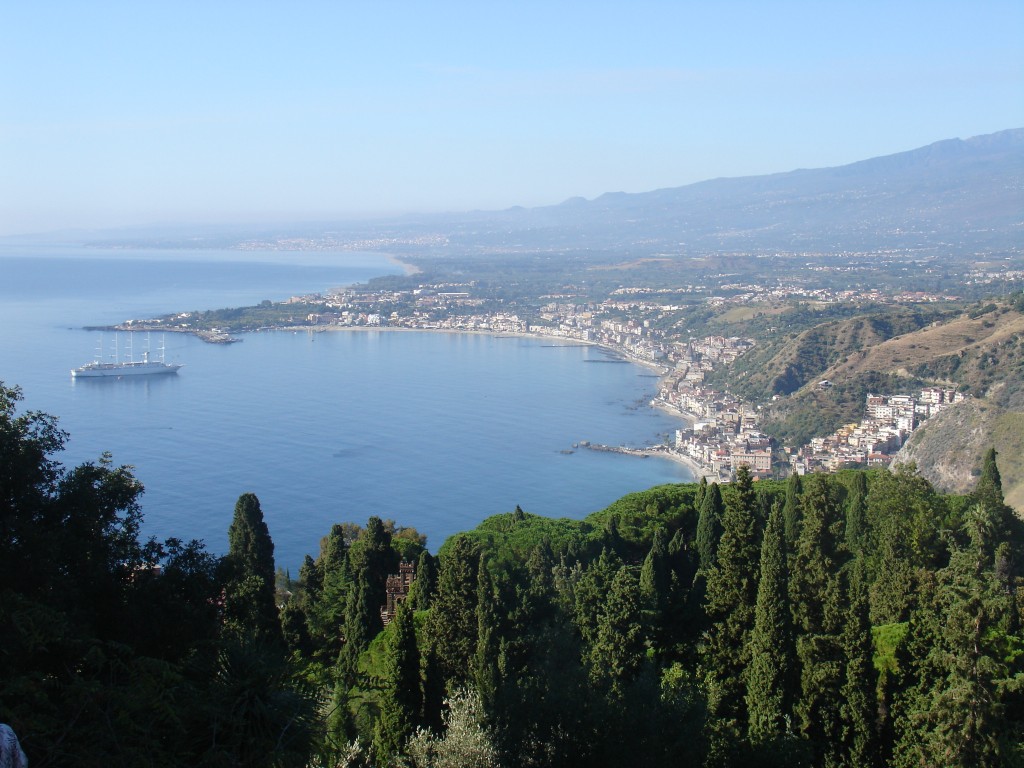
column 249, row 604
column 772, row 673
column 401, row 699
column 731, row 600
column 709, row 527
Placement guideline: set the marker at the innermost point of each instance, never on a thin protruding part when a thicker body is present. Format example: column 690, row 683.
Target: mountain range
column 956, row 195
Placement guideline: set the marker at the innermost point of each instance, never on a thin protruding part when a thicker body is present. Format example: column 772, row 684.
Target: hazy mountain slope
column 954, row 194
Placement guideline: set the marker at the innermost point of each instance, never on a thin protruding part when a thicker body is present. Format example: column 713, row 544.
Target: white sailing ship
column 129, row 367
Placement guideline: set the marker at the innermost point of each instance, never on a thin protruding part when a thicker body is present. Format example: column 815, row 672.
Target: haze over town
column 117, row 115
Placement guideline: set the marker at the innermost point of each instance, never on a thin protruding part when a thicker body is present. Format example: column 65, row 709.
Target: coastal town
column 723, row 432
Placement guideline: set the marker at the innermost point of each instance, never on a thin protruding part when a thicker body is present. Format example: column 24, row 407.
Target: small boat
column 143, row 367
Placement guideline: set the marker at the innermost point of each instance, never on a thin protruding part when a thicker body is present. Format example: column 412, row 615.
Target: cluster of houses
column 876, row 439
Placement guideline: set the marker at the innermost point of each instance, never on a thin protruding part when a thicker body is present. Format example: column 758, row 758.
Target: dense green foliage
column 857, row 619
column 121, row 652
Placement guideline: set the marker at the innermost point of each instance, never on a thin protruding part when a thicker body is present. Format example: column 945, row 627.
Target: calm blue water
column 436, row 431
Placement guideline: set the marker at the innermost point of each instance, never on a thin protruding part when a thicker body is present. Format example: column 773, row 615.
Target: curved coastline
column 696, row 468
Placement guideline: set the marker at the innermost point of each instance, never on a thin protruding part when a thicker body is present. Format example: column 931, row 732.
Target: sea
column 436, row 431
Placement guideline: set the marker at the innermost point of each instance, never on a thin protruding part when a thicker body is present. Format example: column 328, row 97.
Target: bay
column 433, row 430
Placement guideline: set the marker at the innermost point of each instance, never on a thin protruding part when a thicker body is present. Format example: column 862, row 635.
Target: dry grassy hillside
column 979, row 352
column 982, row 352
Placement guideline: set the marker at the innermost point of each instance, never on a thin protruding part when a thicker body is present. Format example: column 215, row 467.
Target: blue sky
column 124, row 114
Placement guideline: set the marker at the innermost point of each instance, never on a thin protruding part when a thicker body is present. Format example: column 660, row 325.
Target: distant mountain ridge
column 953, row 197
column 958, row 195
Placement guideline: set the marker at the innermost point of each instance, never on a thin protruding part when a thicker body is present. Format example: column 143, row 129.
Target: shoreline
column 697, row 469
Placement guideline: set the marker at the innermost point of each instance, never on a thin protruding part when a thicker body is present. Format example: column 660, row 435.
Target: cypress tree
column 859, row 699
column 591, row 592
column 452, row 627
column 822, row 674
column 362, row 617
column 702, row 488
column 771, row 674
column 819, row 553
column 485, row 659
column 426, row 581
column 817, row 595
column 336, row 582
column 401, row 699
column 373, row 557
column 618, row 652
column 791, row 512
column 731, row 600
column 709, row 527
column 893, row 591
column 655, row 575
column 856, row 515
column 955, row 714
column 250, row 606
column 989, row 490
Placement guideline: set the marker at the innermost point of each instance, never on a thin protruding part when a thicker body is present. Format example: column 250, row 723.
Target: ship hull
column 113, row 370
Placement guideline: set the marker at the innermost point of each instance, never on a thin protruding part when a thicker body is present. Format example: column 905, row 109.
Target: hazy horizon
column 124, row 116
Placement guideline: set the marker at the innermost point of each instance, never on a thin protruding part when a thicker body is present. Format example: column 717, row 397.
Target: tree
column 452, row 626
column 859, row 701
column 252, row 711
column 989, row 490
column 362, row 617
column 426, row 581
column 772, row 673
column 467, row 742
column 618, row 651
column 956, row 714
column 731, row 601
column 486, row 676
column 249, row 604
column 709, row 527
column 819, row 553
column 372, row 557
column 401, row 698
column 856, row 515
column 817, row 595
column 791, row 512
column 656, row 578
